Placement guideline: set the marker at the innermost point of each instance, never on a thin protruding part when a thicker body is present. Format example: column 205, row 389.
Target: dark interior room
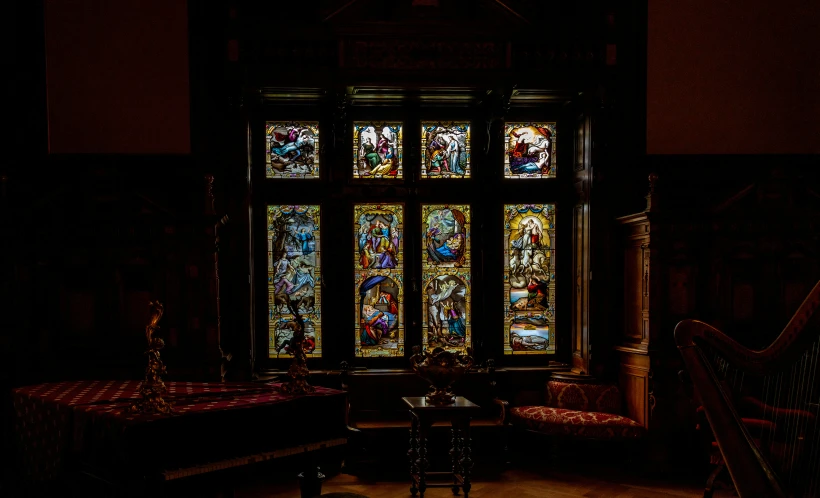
column 407, row 200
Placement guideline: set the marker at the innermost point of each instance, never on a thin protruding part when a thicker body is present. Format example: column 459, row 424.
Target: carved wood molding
column 422, row 54
column 412, row 53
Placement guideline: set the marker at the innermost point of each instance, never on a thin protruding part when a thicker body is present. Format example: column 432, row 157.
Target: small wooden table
column 422, row 417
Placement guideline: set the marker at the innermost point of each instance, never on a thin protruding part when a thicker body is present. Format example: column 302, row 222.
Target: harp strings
column 780, row 412
column 813, row 463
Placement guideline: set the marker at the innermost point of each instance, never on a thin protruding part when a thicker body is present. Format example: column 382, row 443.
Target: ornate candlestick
column 153, row 388
column 298, row 371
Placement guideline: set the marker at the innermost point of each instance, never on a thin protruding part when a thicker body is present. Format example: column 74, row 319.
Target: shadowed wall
column 117, row 76
column 733, row 77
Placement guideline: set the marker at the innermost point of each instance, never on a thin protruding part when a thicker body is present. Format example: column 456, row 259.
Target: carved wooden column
column 582, row 247
column 235, row 243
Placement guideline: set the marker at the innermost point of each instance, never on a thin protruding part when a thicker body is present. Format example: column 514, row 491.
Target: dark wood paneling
column 96, row 239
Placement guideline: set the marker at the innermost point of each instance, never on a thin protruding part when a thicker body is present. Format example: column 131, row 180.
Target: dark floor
column 534, row 470
column 526, row 481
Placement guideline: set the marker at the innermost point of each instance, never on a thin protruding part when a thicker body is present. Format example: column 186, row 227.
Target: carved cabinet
column 653, row 257
column 639, row 332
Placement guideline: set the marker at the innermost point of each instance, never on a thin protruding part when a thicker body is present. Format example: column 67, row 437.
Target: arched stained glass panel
column 379, row 279
column 446, row 276
column 529, row 279
column 294, row 276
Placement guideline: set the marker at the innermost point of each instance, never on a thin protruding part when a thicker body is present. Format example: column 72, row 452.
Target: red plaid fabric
column 52, row 419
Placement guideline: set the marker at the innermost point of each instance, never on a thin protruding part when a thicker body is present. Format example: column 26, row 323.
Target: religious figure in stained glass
column 445, row 150
column 529, row 279
column 529, row 150
column 379, row 279
column 377, row 149
column 446, row 275
column 291, row 149
column 294, row 276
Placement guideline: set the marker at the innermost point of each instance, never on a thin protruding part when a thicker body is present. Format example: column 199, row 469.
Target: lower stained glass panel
column 379, row 279
column 529, row 279
column 294, row 276
column 446, row 276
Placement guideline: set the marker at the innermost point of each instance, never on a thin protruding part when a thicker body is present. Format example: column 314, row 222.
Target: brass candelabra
column 298, row 372
column 153, row 388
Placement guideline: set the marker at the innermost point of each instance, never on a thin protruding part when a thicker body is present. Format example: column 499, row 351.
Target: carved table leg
column 466, row 456
column 422, row 461
column 455, row 454
column 413, row 452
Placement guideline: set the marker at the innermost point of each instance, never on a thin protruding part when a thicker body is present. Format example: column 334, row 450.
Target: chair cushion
column 602, row 398
column 596, row 425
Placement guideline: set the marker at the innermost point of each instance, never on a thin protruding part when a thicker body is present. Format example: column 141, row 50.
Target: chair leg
column 505, row 445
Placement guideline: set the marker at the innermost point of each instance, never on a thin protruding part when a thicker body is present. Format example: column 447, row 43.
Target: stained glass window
column 292, row 149
column 445, row 150
column 529, row 150
column 294, row 276
column 379, row 279
column 529, row 279
column 446, row 276
column 377, row 150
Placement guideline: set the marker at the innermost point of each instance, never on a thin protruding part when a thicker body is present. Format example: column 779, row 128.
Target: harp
column 762, row 405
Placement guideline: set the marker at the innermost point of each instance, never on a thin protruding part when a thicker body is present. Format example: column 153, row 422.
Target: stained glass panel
column 379, row 279
column 446, row 276
column 292, row 149
column 529, row 279
column 529, row 150
column 294, row 275
column 445, row 150
column 377, row 150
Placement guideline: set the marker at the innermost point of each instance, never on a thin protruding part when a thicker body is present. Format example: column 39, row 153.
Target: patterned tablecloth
column 85, row 421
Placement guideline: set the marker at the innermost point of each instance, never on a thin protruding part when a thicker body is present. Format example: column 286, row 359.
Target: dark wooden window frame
column 336, row 191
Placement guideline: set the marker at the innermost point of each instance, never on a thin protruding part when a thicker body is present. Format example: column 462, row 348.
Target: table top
column 421, row 404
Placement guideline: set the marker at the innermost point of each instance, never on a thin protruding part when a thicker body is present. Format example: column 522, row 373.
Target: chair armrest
column 503, row 407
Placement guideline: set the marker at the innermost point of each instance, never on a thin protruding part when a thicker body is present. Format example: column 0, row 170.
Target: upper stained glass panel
column 446, row 276
column 292, row 149
column 529, row 150
column 379, row 279
column 377, row 150
column 294, row 278
column 529, row 279
column 445, row 150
